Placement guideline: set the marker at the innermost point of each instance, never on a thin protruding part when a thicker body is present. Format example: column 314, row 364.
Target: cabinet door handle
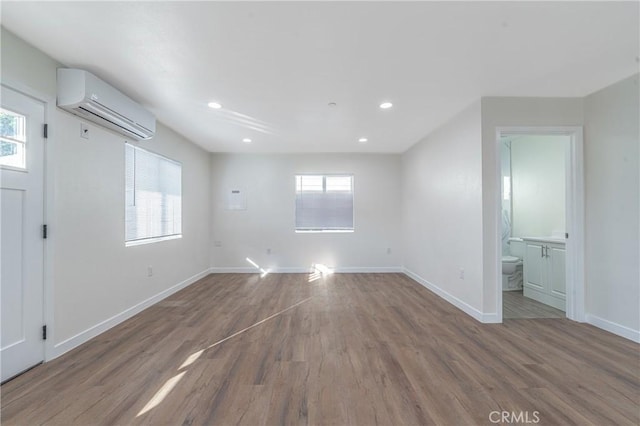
column 541, row 251
column 546, row 251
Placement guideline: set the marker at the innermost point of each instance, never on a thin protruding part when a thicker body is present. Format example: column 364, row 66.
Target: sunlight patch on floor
column 318, row 270
column 259, row 322
column 162, row 393
column 171, row 383
column 192, row 358
column 263, row 272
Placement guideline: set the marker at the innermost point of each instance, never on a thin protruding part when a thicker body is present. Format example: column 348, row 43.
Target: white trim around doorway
column 49, row 219
column 575, row 286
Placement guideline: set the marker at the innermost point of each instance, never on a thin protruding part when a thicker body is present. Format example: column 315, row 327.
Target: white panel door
column 558, row 271
column 534, row 273
column 21, row 219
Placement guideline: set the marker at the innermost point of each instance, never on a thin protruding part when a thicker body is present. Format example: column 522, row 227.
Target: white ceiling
column 276, row 66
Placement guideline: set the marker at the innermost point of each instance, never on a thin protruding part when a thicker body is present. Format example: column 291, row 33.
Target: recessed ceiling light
column 246, row 140
column 332, row 104
column 214, row 105
column 386, row 105
column 363, row 140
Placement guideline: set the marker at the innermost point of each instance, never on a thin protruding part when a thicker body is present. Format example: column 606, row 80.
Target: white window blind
column 153, row 196
column 324, row 203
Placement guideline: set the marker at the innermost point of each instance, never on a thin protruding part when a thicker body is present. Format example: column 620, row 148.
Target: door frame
column 574, row 214
column 49, row 104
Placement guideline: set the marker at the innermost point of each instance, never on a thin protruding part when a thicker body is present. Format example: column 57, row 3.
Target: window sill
column 151, row 240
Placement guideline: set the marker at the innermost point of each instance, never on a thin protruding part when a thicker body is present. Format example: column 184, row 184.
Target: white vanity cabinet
column 544, row 271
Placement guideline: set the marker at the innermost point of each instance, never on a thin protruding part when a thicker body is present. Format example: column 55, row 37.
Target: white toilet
column 512, row 265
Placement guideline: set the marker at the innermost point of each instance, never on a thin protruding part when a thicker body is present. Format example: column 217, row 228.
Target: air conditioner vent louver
column 108, row 123
column 79, row 91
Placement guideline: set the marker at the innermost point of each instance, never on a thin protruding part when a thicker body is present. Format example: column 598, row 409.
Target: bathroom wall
column 505, row 157
column 538, row 185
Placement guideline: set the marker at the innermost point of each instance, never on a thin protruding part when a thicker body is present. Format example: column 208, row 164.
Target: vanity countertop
column 554, row 240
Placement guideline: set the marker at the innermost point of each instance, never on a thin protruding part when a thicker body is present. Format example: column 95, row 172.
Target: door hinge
column 44, row 232
column 45, row 131
column 44, row 332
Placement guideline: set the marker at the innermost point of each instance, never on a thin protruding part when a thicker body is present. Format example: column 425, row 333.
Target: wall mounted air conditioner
column 85, row 95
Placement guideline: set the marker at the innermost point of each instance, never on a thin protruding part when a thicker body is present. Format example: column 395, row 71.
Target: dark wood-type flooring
column 347, row 349
column 517, row 306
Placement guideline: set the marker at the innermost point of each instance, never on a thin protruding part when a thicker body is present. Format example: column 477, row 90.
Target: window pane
column 153, row 195
column 327, row 207
column 308, row 183
column 12, row 139
column 12, row 125
column 12, row 154
column 339, row 183
column 129, row 168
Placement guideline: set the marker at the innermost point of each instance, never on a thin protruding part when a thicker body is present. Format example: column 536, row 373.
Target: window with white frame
column 324, row 203
column 153, row 197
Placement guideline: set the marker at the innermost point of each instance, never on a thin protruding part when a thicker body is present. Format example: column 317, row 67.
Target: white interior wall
column 539, row 185
column 95, row 280
column 269, row 221
column 442, row 211
column 612, row 140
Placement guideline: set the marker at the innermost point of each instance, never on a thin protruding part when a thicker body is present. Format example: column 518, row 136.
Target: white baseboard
column 465, row 307
column 84, row 336
column 369, row 269
column 291, row 270
column 491, row 318
column 612, row 327
column 233, row 270
column 250, row 270
column 307, row 269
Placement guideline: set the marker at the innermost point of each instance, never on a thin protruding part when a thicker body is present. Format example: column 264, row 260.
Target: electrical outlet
column 149, row 271
column 461, row 274
column 217, row 243
column 84, row 131
column 388, row 250
column 268, row 251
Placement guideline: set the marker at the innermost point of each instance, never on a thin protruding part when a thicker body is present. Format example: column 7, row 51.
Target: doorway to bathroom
column 540, row 241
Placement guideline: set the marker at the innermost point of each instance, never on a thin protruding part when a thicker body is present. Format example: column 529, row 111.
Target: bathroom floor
column 516, row 306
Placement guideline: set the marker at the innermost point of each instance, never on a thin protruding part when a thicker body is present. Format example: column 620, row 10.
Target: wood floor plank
column 344, row 349
column 517, row 306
